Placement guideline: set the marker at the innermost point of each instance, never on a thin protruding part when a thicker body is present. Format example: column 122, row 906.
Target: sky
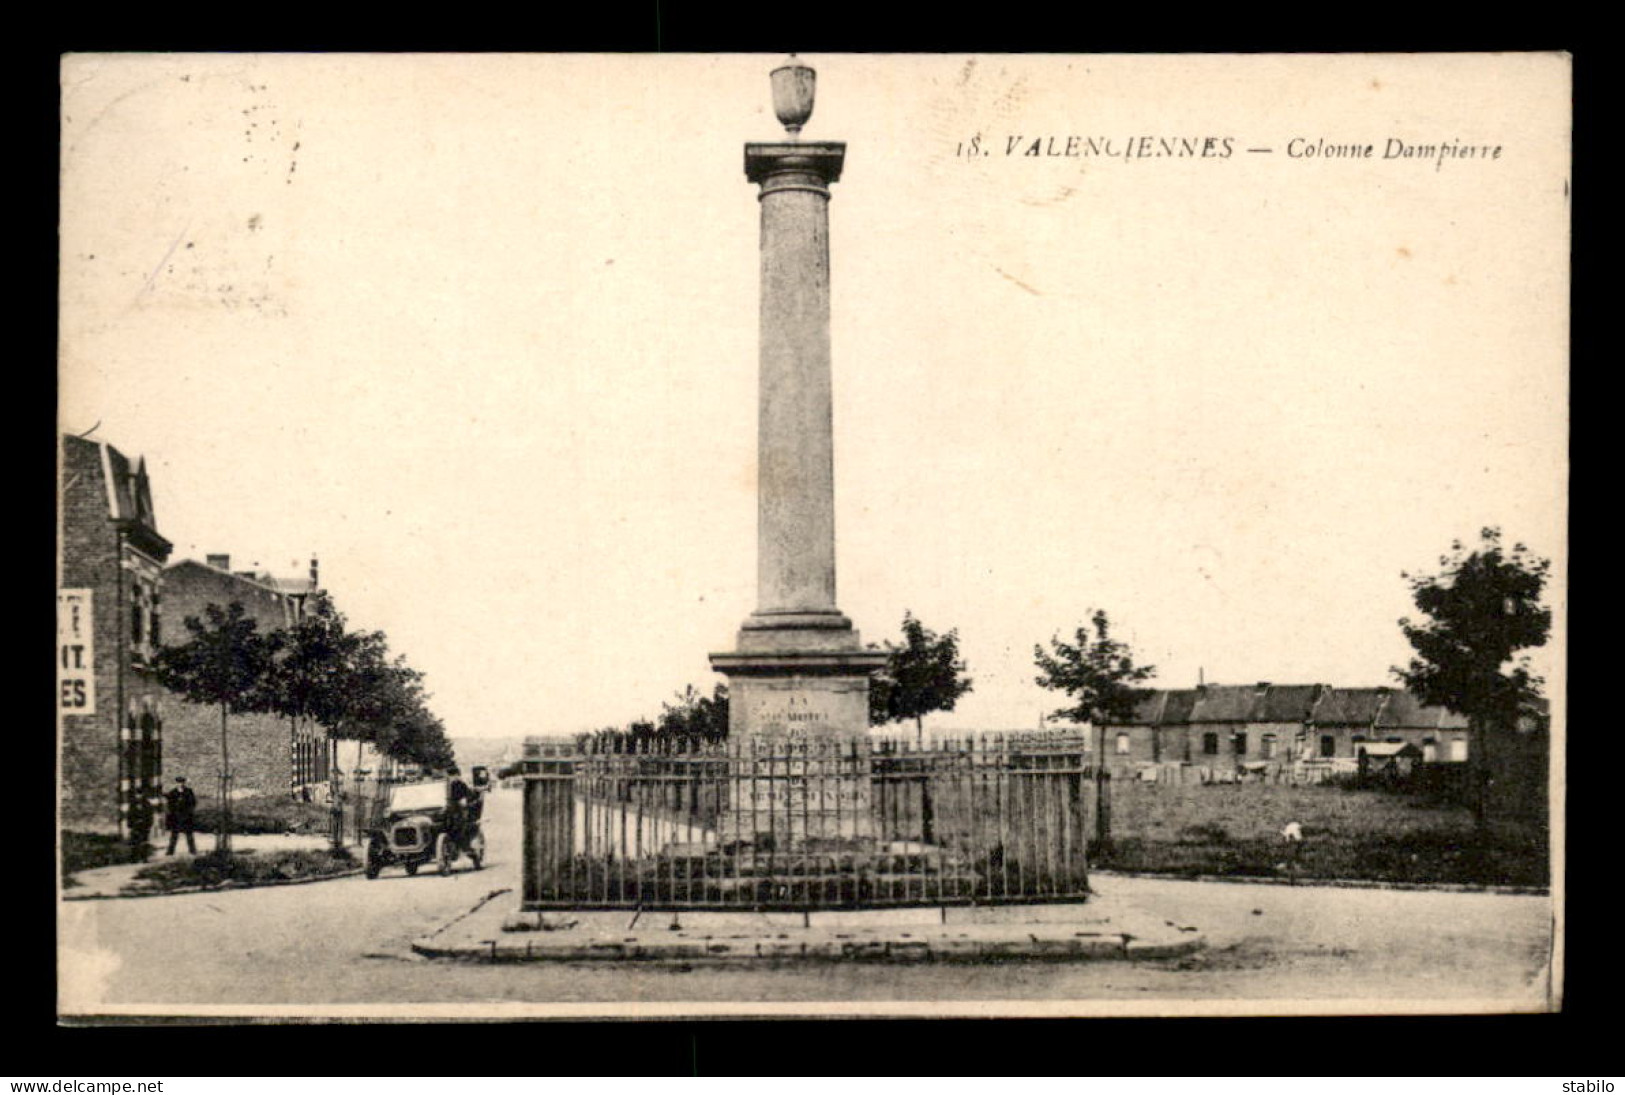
column 480, row 333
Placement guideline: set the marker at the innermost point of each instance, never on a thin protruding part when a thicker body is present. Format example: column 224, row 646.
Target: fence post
column 549, row 827
column 1103, row 806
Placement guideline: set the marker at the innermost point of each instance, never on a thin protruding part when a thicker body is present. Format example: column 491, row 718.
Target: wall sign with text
column 76, row 652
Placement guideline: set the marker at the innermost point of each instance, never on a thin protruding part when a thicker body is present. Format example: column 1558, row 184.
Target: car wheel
column 375, row 861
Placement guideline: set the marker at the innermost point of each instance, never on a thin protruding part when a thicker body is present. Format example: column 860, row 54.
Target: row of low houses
column 1275, row 731
column 122, row 736
column 1265, row 727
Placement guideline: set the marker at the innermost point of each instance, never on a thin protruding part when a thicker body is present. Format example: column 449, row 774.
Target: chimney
column 314, row 583
column 219, row 562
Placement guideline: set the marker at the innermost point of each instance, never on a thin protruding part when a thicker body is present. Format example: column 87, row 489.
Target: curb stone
column 1022, row 940
column 837, row 950
column 1332, row 883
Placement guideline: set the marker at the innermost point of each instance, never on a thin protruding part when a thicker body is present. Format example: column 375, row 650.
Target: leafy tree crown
column 1095, row 670
column 1479, row 611
column 226, row 661
column 922, row 675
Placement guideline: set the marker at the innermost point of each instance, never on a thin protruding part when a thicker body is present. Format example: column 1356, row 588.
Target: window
column 1122, row 745
column 1210, row 744
column 1328, row 745
column 1267, row 745
column 1458, row 748
column 1238, row 744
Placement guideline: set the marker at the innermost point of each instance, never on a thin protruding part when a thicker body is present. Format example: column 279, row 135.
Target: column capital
column 821, row 159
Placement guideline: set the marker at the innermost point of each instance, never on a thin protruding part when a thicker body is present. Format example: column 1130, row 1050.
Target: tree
column 1096, row 670
column 695, row 717
column 923, row 675
column 346, row 682
column 315, row 677
column 226, row 662
column 1479, row 611
column 1099, row 674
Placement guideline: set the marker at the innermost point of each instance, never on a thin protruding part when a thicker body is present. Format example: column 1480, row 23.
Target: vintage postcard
column 734, row 535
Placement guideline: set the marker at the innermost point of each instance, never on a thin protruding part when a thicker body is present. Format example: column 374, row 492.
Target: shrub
column 246, row 868
column 86, row 851
column 1207, row 832
column 266, row 814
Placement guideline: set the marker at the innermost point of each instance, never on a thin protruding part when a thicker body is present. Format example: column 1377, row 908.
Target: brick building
column 1440, row 733
column 1344, row 720
column 269, row 753
column 1236, row 726
column 1263, row 728
column 1156, row 734
column 111, row 556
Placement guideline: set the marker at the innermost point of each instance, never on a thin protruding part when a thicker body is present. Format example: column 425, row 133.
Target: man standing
column 462, row 807
column 181, row 815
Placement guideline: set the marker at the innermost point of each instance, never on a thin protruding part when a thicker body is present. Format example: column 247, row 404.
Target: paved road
column 346, row 942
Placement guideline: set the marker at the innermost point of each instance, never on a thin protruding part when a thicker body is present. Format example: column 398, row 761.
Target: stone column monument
column 800, row 671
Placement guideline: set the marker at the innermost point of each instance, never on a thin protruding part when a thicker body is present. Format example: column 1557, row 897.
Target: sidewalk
column 102, row 882
column 1102, row 928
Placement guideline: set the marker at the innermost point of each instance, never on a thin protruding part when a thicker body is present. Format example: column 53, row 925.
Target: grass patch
column 247, row 868
column 1364, row 834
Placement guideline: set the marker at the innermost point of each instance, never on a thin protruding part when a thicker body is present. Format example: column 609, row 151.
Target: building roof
column 129, row 491
column 1322, row 705
column 261, row 579
column 1262, row 702
column 1350, row 706
column 1148, row 712
column 1178, row 709
column 1161, row 707
column 1406, row 711
column 292, row 586
column 1289, row 702
column 1228, row 702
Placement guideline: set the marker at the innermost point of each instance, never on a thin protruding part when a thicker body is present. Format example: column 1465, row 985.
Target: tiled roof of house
column 1350, row 706
column 1178, row 709
column 1228, row 703
column 1289, row 702
column 1148, row 712
column 1161, row 707
column 1405, row 711
column 1322, row 705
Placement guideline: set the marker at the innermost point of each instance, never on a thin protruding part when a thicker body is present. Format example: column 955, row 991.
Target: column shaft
column 796, row 488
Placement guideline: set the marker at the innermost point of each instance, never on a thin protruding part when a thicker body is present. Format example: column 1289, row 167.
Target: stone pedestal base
column 798, row 722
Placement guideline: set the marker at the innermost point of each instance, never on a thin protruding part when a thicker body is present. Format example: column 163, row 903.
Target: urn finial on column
column 793, row 85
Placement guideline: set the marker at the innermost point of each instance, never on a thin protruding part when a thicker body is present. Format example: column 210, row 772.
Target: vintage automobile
column 413, row 830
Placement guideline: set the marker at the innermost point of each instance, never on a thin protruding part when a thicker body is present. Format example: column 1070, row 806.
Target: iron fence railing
column 806, row 823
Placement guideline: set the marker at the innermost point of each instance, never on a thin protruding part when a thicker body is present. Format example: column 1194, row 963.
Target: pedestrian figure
column 1293, row 836
column 140, row 828
column 181, row 815
column 463, row 807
